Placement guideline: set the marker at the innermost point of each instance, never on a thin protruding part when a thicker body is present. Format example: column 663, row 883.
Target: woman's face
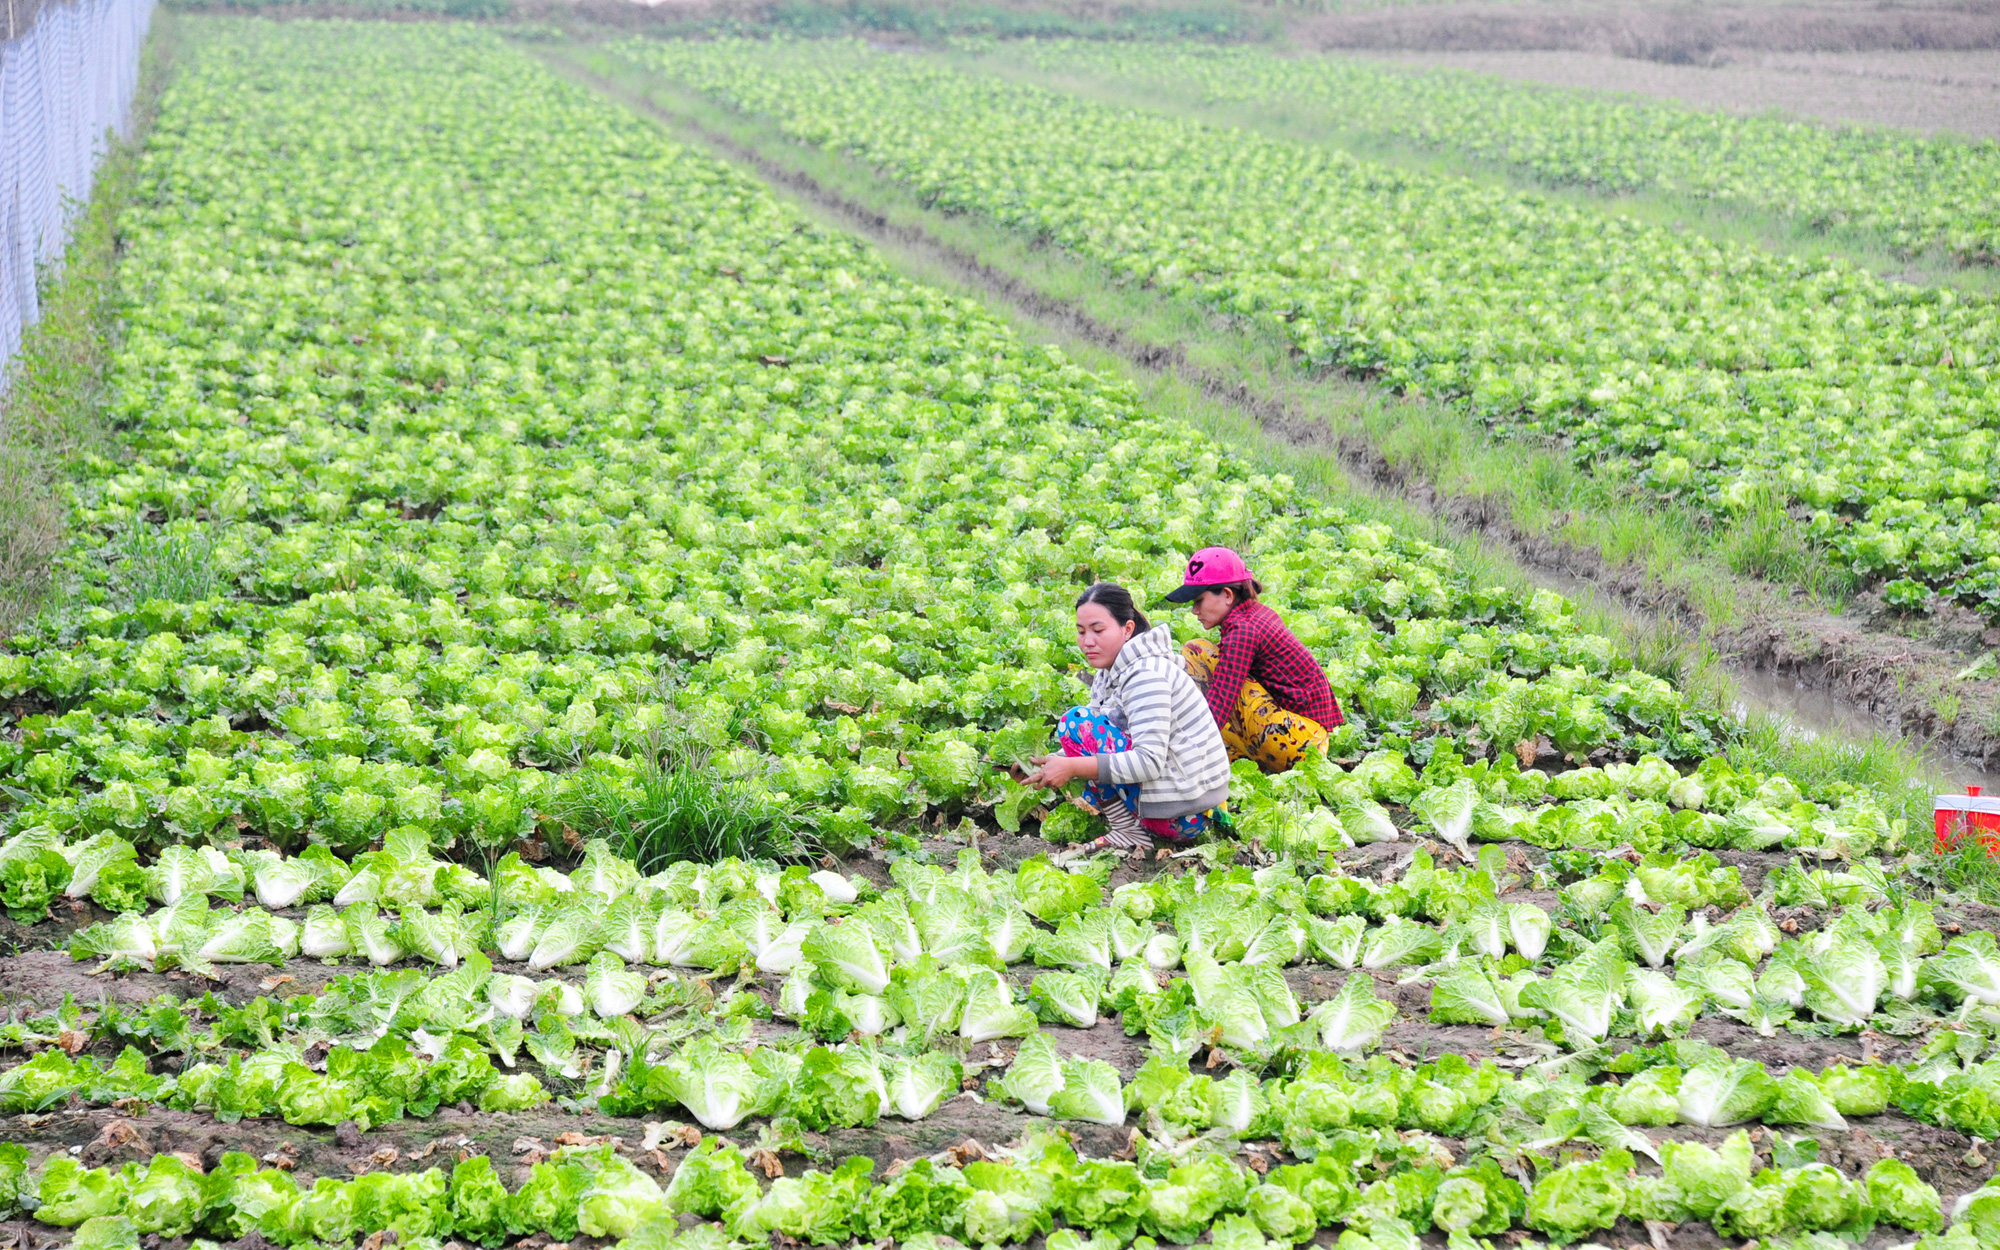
column 1098, row 636
column 1211, row 606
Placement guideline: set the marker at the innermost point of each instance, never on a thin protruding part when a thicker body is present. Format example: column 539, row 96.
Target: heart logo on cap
column 1195, row 566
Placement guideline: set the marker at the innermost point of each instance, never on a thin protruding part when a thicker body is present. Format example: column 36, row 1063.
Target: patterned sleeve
column 1239, row 647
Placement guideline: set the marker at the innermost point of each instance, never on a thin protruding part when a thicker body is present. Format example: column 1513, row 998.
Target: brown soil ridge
column 1683, row 34
column 1890, row 677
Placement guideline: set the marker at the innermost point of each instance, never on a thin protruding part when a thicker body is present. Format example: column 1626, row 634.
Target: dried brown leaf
column 117, row 1134
column 968, row 1151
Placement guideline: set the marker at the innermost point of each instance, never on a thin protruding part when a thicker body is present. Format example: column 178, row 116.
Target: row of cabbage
column 1921, row 192
column 1624, row 921
column 491, row 501
column 930, row 961
column 1708, row 372
column 401, row 1044
column 1385, row 1192
column 1315, row 809
column 398, row 1044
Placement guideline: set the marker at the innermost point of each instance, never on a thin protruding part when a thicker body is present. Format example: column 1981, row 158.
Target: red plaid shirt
column 1255, row 643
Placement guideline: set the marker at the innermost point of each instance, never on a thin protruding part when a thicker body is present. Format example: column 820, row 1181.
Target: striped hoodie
column 1177, row 757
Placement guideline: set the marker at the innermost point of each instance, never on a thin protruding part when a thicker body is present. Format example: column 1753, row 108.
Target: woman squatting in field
column 1145, row 743
column 1266, row 693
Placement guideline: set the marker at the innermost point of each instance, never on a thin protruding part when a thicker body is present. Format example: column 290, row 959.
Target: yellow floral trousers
column 1259, row 729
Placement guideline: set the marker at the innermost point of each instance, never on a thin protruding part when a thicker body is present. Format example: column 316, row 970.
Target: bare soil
column 1677, row 34
column 1933, row 92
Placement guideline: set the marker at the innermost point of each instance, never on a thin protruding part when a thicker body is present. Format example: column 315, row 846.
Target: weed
column 1548, row 481
column 1764, row 541
column 1570, row 914
column 171, row 562
column 1946, row 705
column 678, row 807
column 1892, row 886
column 1970, row 870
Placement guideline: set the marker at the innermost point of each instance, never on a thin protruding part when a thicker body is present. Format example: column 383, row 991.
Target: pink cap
column 1211, row 566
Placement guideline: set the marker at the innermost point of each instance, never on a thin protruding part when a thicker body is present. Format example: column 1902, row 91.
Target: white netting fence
column 67, row 74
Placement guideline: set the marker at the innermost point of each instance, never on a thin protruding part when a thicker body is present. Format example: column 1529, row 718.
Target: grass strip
column 52, row 415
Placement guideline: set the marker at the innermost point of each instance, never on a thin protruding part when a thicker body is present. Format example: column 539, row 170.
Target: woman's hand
column 1059, row 770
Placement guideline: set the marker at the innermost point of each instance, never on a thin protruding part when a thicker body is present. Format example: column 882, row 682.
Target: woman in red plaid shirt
column 1268, row 695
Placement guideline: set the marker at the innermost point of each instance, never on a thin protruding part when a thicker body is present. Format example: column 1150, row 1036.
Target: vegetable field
column 518, row 501
column 1919, row 192
column 1727, row 378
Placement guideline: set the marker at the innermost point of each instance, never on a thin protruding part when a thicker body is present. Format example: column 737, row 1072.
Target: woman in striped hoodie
column 1145, row 743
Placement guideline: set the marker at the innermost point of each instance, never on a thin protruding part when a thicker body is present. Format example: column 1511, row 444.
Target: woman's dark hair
column 1246, row 590
column 1116, row 600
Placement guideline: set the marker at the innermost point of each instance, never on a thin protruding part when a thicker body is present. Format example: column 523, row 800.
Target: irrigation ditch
column 1815, row 671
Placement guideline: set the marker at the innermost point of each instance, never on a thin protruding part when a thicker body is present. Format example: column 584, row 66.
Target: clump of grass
column 1674, row 653
column 679, row 807
column 1969, row 870
column 171, row 562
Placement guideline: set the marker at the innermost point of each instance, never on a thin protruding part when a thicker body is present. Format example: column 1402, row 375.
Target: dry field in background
column 1957, row 91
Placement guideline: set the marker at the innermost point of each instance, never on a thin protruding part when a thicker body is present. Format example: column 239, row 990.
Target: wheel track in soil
column 1884, row 677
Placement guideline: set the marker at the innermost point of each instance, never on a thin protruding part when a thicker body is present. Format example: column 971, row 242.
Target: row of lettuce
column 1649, row 806
column 833, row 945
column 486, row 737
column 1384, row 1198
column 1711, row 373
column 1644, row 951
column 251, row 1062
column 1921, row 192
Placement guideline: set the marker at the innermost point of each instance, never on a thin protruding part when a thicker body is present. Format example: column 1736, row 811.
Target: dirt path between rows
column 1949, row 92
column 1902, row 683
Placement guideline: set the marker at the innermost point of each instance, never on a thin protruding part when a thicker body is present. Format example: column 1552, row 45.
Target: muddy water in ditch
column 1813, row 713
